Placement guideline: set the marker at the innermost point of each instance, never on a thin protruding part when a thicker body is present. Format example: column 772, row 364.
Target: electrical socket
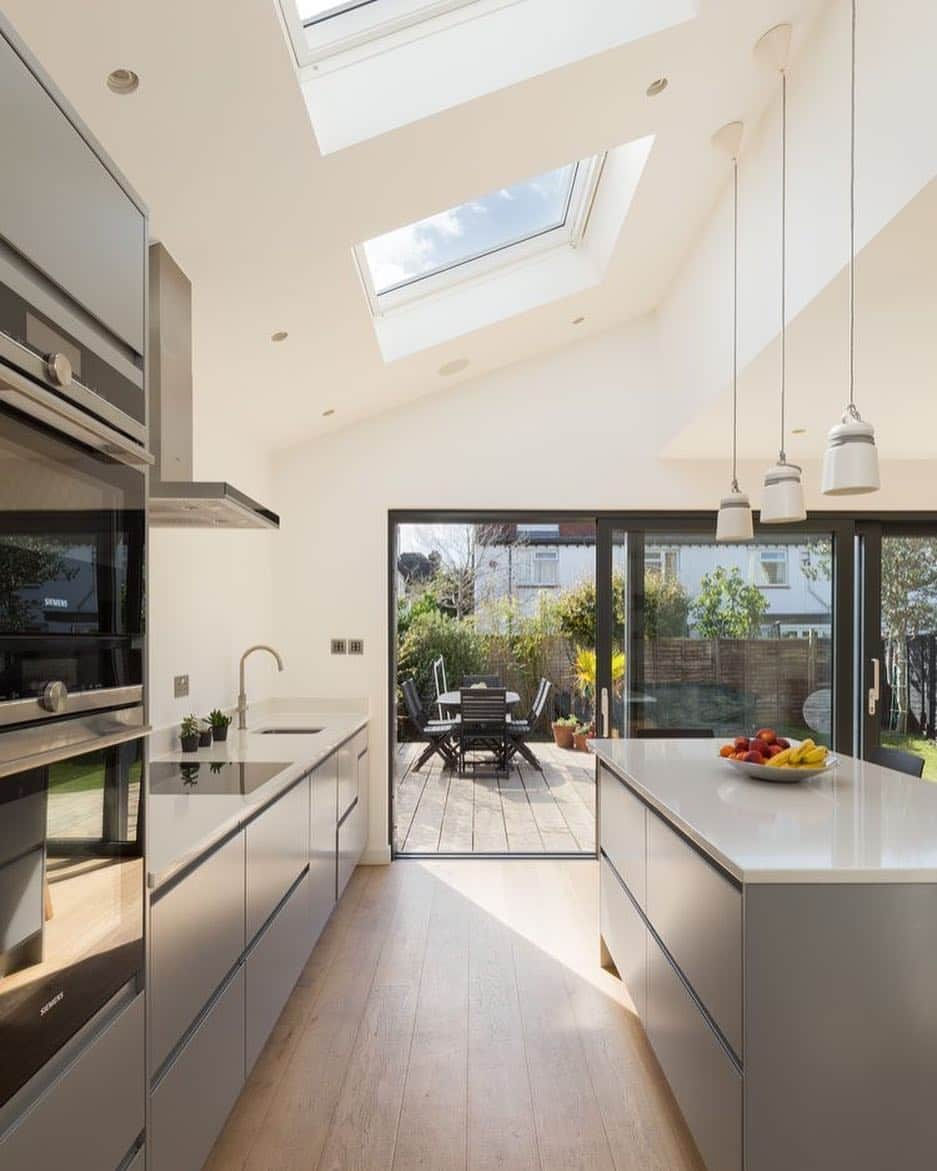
column 180, row 686
column 339, row 647
column 356, row 646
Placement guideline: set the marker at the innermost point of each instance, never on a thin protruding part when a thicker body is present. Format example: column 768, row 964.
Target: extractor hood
column 176, row 500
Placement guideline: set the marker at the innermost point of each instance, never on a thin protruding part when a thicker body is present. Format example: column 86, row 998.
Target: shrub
column 432, row 633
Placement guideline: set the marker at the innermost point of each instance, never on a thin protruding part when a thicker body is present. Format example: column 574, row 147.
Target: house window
column 664, row 562
column 545, row 567
column 771, row 567
column 474, row 238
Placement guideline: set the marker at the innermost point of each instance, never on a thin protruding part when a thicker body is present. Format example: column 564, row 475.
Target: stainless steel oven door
column 71, row 900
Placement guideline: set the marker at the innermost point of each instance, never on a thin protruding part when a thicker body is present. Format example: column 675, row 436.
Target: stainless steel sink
column 288, row 731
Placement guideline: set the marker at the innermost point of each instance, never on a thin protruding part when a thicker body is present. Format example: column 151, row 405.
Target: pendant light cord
column 782, row 457
column 735, row 321
column 851, row 408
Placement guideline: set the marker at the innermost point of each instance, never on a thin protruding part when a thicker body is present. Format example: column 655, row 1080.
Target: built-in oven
column 72, row 556
column 71, row 900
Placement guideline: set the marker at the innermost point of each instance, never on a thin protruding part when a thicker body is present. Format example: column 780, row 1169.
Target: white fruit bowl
column 786, row 776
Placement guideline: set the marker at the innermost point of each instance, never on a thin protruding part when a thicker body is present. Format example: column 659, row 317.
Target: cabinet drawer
column 91, row 1116
column 705, row 1082
column 349, row 836
column 347, row 777
column 322, row 845
column 273, row 966
column 622, row 828
column 189, row 1106
column 697, row 913
column 277, row 852
column 196, row 938
column 625, row 936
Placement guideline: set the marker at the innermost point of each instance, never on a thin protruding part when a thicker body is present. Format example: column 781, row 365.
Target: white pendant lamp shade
column 783, row 499
column 734, row 522
column 850, row 464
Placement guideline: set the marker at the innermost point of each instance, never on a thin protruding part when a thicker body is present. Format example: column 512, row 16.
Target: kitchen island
column 779, row 943
column 250, row 844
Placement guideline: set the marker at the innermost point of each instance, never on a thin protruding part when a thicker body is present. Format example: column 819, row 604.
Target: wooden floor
column 453, row 1017
column 438, row 812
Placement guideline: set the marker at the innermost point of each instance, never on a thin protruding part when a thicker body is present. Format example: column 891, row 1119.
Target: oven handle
column 20, row 392
column 28, row 711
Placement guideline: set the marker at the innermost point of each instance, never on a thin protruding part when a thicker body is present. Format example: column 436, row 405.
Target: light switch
column 356, row 646
column 339, row 647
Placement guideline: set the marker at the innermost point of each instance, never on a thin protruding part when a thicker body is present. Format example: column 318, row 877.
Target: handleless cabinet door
column 697, row 912
column 191, row 1102
column 347, row 777
column 349, row 834
column 625, row 936
column 622, row 828
column 196, row 938
column 277, row 852
column 323, row 800
column 65, row 212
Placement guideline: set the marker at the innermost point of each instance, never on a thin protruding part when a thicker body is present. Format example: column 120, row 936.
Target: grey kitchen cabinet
column 624, row 934
column 702, row 1075
column 622, row 832
column 277, row 853
column 347, row 777
column 323, row 804
column 196, row 938
column 347, row 836
column 697, row 912
column 90, row 1116
column 189, row 1105
column 273, row 965
column 66, row 213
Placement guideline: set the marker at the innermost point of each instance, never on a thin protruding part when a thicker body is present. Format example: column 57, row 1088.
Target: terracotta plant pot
column 579, row 741
column 562, row 735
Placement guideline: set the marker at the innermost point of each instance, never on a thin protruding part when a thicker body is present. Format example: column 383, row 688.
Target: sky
column 502, row 217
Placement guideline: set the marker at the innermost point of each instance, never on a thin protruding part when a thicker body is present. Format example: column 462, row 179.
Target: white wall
column 211, row 592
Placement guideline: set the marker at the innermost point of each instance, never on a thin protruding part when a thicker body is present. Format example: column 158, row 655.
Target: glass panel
column 908, row 703
column 312, row 11
column 716, row 645
column 495, row 605
column 498, row 220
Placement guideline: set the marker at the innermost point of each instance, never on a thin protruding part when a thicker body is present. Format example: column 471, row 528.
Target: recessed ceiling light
column 122, row 81
column 330, row 411
column 578, row 320
column 799, row 431
column 280, row 336
column 656, row 87
column 456, row 366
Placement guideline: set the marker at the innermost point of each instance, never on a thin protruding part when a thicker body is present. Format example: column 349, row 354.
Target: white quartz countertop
column 857, row 822
column 181, row 827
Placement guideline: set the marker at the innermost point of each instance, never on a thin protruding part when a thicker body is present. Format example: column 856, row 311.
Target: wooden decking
column 438, row 812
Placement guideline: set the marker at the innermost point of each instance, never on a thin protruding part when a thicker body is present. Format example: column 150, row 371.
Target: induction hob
column 216, row 778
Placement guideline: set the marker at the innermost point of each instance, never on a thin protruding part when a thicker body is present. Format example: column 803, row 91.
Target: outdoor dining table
column 454, row 698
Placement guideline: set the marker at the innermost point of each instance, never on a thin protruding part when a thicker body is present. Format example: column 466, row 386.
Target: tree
column 666, row 607
column 575, row 611
column 727, row 606
column 431, row 634
column 25, row 563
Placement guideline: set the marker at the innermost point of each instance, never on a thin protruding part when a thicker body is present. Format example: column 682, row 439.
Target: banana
column 781, row 759
column 815, row 756
column 798, row 753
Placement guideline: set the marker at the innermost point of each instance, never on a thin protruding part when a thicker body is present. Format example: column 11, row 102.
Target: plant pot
column 220, row 733
column 204, row 738
column 190, row 743
column 562, row 735
column 579, row 741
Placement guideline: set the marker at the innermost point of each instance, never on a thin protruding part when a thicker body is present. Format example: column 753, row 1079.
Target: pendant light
column 783, row 498
column 850, row 464
column 734, row 522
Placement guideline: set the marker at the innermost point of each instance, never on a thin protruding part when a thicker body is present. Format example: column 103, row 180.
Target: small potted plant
column 563, row 728
column 188, row 734
column 219, row 724
column 204, row 734
column 582, row 733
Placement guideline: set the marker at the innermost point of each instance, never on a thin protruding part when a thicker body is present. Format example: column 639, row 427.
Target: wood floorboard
column 454, row 1017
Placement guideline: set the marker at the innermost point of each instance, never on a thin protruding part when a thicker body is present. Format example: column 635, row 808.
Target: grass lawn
column 925, row 748
column 81, row 775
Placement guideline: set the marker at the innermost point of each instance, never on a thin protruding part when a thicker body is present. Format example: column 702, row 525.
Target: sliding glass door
column 897, row 640
column 698, row 636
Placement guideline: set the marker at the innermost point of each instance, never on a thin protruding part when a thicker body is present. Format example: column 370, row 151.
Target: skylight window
column 475, row 237
column 313, row 11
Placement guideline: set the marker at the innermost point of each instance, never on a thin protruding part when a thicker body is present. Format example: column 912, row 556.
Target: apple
column 753, row 758
column 757, row 745
column 774, row 749
column 782, row 743
column 768, row 735
column 741, row 742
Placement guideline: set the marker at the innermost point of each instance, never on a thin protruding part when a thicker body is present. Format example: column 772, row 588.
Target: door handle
column 874, row 689
column 605, row 712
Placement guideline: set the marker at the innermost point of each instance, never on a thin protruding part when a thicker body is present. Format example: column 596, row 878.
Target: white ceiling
column 896, row 357
column 217, row 140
